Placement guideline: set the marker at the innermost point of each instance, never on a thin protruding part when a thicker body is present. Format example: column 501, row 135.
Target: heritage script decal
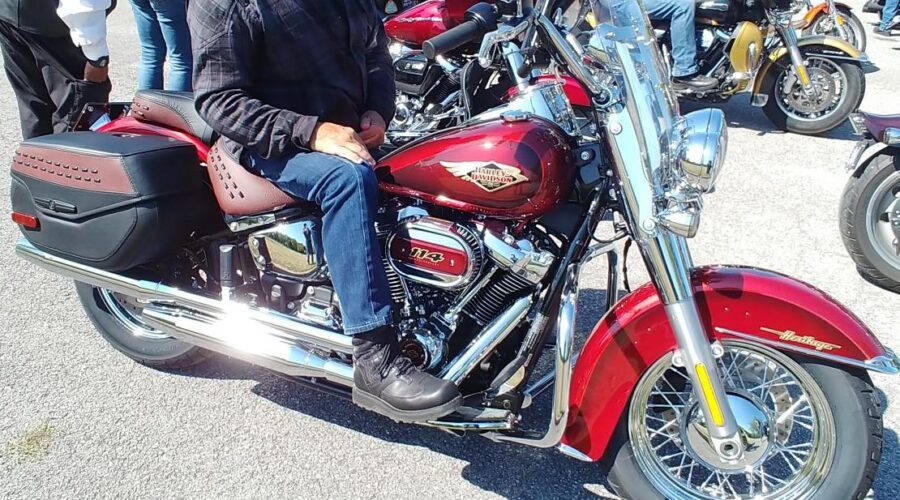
column 809, row 340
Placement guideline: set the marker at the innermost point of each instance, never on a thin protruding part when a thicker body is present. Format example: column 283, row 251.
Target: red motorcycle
column 708, row 382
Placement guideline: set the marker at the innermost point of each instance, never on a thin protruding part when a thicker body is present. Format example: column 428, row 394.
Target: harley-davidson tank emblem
column 490, row 176
column 792, row 336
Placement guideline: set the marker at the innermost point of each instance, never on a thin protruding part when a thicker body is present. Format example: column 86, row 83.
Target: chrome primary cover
column 292, row 250
column 436, row 252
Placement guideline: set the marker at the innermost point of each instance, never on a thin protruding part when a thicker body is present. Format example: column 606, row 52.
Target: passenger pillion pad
column 239, row 191
column 171, row 109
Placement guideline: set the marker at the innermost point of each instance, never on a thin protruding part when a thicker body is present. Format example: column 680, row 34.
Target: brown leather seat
column 239, row 191
column 171, row 109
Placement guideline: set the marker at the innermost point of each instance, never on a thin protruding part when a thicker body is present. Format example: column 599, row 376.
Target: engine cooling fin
column 490, row 301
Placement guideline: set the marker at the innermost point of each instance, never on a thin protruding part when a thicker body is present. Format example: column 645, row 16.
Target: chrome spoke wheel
column 883, row 219
column 830, row 88
column 784, row 421
column 127, row 312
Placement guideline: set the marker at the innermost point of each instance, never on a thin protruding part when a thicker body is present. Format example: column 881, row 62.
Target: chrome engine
column 441, row 274
column 427, row 95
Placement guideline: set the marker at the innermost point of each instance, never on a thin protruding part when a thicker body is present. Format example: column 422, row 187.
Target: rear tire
column 855, row 219
column 120, row 325
column 856, row 412
column 853, row 24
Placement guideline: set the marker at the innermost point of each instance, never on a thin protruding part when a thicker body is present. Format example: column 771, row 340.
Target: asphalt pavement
column 79, row 420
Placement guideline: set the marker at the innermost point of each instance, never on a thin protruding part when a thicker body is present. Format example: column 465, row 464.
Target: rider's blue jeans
column 163, row 31
column 888, row 12
column 348, row 196
column 680, row 15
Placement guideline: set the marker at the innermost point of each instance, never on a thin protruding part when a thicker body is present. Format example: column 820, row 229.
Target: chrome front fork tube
column 669, row 261
column 789, row 36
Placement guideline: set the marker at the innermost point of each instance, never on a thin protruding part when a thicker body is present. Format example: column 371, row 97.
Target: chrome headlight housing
column 704, row 142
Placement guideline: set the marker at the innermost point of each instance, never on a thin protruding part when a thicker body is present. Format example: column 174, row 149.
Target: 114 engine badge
column 490, row 176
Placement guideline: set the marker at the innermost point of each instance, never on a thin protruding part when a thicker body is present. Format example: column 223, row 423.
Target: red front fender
column 734, row 302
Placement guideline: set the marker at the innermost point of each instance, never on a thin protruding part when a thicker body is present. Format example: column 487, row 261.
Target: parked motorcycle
column 870, row 205
column 707, row 382
column 834, row 19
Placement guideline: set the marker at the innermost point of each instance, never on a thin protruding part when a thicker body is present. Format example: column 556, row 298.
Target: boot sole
column 372, row 403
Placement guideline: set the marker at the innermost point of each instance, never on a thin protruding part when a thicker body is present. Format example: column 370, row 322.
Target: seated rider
column 680, row 15
column 301, row 89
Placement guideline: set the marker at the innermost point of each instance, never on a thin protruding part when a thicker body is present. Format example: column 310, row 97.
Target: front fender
column 825, row 46
column 734, row 302
column 820, row 9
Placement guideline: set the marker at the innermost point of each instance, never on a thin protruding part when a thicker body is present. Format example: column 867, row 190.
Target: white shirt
column 86, row 20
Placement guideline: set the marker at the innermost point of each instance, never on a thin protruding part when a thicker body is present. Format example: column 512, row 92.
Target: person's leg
column 24, row 74
column 153, row 45
column 62, row 65
column 680, row 14
column 347, row 194
column 888, row 12
column 172, row 16
column 385, row 381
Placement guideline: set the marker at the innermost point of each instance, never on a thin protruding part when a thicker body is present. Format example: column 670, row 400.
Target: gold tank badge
column 490, row 176
column 809, row 340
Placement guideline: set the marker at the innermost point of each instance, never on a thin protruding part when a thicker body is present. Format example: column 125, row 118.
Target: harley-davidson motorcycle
column 834, row 19
column 870, row 205
column 709, row 382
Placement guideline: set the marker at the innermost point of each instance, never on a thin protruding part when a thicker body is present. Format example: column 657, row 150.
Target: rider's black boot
column 386, row 382
column 695, row 82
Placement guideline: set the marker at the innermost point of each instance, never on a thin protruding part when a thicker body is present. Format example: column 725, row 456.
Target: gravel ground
column 79, row 420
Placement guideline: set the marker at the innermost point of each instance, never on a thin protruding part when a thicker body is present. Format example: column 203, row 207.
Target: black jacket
column 34, row 16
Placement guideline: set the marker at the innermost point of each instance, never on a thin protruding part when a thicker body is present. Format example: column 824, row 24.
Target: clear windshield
column 624, row 41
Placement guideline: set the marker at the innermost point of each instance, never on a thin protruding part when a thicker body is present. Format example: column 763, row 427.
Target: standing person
column 51, row 76
column 888, row 12
column 682, row 31
column 163, row 31
column 303, row 88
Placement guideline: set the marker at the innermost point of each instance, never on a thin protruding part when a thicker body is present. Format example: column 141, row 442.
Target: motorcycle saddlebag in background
column 107, row 201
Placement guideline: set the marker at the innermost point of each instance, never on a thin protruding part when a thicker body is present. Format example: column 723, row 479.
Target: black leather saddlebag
column 112, row 202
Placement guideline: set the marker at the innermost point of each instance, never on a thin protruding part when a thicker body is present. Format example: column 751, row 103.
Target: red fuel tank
column 508, row 170
column 427, row 20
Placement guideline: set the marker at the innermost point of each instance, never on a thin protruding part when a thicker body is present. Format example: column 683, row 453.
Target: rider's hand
column 340, row 141
column 373, row 128
column 94, row 74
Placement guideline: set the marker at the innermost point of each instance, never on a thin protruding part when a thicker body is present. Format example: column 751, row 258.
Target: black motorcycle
column 870, row 205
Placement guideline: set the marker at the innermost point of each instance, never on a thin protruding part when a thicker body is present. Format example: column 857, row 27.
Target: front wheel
column 118, row 319
column 838, row 88
column 810, row 430
column 870, row 224
column 852, row 30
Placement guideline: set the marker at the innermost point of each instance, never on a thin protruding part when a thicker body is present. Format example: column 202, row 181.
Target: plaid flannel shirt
column 266, row 71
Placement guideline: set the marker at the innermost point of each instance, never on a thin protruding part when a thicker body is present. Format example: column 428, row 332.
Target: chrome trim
column 572, row 452
column 442, row 233
column 858, row 149
column 247, row 341
column 486, row 341
column 858, row 123
column 887, row 363
column 518, row 257
column 293, row 249
column 704, row 147
column 891, row 136
column 152, row 291
column 565, row 359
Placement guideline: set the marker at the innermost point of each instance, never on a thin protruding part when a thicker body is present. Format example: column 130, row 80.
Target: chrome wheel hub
column 754, row 429
column 883, row 216
column 784, row 423
column 127, row 312
column 828, row 83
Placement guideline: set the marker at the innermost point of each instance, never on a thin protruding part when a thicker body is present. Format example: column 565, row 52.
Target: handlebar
column 453, row 38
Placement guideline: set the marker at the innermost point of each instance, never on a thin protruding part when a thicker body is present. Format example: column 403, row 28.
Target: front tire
column 842, row 417
column 843, row 85
column 865, row 222
column 117, row 318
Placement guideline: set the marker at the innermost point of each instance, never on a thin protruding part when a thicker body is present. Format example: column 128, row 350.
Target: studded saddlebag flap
column 112, row 202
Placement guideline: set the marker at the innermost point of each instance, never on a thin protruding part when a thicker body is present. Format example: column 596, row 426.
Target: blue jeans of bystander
column 163, row 32
column 680, row 15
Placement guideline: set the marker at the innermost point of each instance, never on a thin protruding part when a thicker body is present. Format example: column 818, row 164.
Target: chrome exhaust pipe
column 248, row 341
column 279, row 324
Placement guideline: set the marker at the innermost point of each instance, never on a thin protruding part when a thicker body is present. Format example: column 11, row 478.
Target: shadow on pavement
column 740, row 114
